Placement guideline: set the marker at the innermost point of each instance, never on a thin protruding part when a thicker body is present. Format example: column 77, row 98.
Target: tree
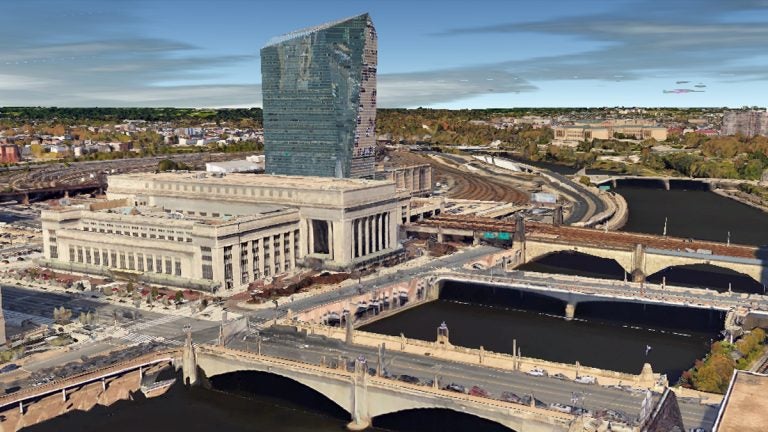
column 179, row 296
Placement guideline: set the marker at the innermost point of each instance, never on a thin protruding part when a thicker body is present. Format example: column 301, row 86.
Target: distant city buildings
column 319, row 100
column 747, row 123
column 587, row 131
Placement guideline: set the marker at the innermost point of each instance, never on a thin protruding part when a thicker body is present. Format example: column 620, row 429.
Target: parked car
column 526, row 400
column 560, row 407
column 579, row 411
column 559, row 376
column 409, row 379
column 9, row 367
column 455, row 388
column 537, row 372
column 510, row 397
column 478, row 391
column 586, row 379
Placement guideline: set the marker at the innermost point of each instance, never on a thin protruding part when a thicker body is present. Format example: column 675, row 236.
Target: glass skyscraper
column 319, row 100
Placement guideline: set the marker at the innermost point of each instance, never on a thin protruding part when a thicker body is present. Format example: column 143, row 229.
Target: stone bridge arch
column 535, row 250
column 337, row 391
column 512, row 417
column 455, row 410
column 655, row 263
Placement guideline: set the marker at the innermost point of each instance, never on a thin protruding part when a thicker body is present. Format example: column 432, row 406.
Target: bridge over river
column 639, row 255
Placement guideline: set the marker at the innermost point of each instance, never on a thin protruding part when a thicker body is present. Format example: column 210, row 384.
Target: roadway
column 372, row 283
column 316, row 349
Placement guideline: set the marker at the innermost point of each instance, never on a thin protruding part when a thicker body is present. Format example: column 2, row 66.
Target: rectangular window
column 228, row 266
column 105, row 257
column 177, row 267
column 122, row 260
column 131, row 262
column 140, row 262
column 159, row 264
column 71, row 254
column 168, row 268
column 79, row 254
column 54, row 251
column 255, row 252
column 243, row 263
column 96, row 257
column 150, row 263
column 87, row 255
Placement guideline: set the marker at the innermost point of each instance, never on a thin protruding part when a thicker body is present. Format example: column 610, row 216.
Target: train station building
column 207, row 231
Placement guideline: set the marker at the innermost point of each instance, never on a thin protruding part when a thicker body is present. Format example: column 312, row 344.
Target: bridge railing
column 86, row 377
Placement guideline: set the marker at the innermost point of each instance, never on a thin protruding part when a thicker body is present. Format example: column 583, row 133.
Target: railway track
column 464, row 185
column 593, row 236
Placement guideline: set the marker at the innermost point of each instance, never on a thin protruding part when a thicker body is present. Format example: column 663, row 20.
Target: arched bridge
column 365, row 397
column 639, row 254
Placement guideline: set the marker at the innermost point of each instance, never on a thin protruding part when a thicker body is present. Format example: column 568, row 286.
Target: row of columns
column 371, row 234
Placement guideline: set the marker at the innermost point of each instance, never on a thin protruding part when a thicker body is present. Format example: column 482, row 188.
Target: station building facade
column 225, row 231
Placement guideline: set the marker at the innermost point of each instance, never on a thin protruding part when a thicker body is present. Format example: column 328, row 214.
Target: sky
column 432, row 53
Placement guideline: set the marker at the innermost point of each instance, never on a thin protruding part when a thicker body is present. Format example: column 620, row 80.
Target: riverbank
column 743, row 198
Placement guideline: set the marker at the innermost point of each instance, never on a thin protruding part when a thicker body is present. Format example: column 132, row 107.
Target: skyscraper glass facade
column 319, row 99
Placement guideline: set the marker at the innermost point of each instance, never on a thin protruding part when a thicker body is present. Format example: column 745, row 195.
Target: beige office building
column 205, row 230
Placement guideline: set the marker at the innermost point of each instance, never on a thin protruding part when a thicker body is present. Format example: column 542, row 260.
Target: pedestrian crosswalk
column 153, row 323
column 138, row 338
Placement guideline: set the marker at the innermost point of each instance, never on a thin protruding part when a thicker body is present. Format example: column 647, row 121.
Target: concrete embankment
column 742, row 197
column 616, row 214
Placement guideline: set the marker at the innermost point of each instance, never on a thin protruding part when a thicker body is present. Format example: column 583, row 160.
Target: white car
column 560, row 407
column 537, row 372
column 586, row 379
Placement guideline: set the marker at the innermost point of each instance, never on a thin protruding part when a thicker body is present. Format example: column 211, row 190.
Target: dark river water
column 607, row 335
column 692, row 213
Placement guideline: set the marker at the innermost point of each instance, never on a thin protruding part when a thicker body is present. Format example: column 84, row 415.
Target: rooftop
column 261, row 180
column 156, row 212
column 307, row 30
column 743, row 409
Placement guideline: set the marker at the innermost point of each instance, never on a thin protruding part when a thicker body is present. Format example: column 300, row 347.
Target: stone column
column 292, row 246
column 360, row 237
column 366, row 234
column 385, row 233
column 380, row 231
column 189, row 362
column 311, row 237
column 570, row 311
column 282, row 252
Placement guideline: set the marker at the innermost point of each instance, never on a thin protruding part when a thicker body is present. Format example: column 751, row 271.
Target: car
column 458, row 388
column 510, row 397
column 9, row 367
column 528, row 399
column 697, row 429
column 579, row 411
column 537, row 372
column 408, row 379
column 560, row 407
column 478, row 391
column 559, row 376
column 586, row 379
